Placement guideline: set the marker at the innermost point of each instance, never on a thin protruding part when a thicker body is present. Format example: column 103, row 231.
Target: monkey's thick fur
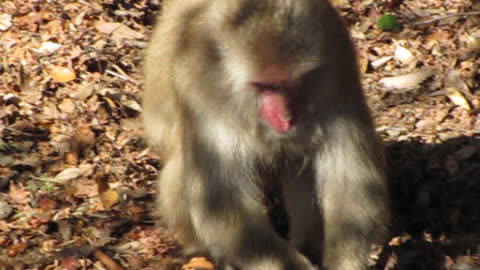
column 244, row 94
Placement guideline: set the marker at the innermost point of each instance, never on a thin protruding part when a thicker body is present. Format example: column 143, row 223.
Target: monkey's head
column 275, row 48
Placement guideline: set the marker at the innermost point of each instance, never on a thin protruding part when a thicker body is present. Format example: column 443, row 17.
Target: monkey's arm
column 352, row 190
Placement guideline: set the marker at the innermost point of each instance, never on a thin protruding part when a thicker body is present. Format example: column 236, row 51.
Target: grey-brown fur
column 203, row 117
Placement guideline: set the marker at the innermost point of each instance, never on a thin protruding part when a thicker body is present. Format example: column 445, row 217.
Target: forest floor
column 77, row 181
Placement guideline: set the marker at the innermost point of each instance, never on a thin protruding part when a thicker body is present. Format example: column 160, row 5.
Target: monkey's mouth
column 276, row 106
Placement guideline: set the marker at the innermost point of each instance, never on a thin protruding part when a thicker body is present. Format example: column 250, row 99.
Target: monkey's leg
column 174, row 206
column 353, row 194
column 306, row 224
column 229, row 218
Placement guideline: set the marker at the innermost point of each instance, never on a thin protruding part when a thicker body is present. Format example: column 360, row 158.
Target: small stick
column 446, row 17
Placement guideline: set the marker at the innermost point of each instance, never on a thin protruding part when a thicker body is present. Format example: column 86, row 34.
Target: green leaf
column 389, row 22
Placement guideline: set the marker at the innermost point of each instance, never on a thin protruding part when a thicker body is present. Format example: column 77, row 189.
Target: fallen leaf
column 457, row 97
column 5, row 209
column 5, row 21
column 18, row 194
column 49, row 245
column 109, row 198
column 82, row 139
column 69, row 174
column 62, row 74
column 29, row 22
column 198, row 263
column 82, row 187
column 71, row 158
column 39, row 219
column 118, row 31
column 47, row 204
column 67, row 106
column 381, row 61
column 468, row 69
column 403, row 55
column 16, row 249
column 132, row 104
column 70, row 263
column 84, row 92
column 408, row 81
column 106, row 260
column 4, row 226
column 48, row 47
column 454, row 79
column 341, row 3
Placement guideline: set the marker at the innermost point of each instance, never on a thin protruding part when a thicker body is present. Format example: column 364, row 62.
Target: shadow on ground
column 435, row 192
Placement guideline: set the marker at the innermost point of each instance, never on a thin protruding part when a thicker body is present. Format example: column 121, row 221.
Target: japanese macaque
column 245, row 95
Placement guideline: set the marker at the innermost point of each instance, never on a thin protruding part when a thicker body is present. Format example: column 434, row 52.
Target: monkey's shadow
column 435, row 191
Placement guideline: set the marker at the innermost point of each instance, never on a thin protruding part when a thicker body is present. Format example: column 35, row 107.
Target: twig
column 125, row 78
column 446, row 17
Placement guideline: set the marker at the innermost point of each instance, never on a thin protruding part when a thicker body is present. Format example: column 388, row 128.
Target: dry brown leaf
column 381, row 61
column 106, row 260
column 117, row 30
column 47, row 204
column 341, row 3
column 109, row 198
column 67, row 106
column 468, row 69
column 83, row 187
column 69, row 174
column 5, row 209
column 49, row 245
column 403, row 55
column 71, row 158
column 5, row 21
column 132, row 104
column 18, row 194
column 83, row 138
column 29, row 21
column 62, row 74
column 4, row 226
column 47, row 47
column 84, row 92
column 408, row 81
column 4, row 240
column 70, row 263
column 16, row 249
column 362, row 61
column 391, row 262
column 457, row 97
column 198, row 263
column 54, row 27
column 454, row 79
column 398, row 240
